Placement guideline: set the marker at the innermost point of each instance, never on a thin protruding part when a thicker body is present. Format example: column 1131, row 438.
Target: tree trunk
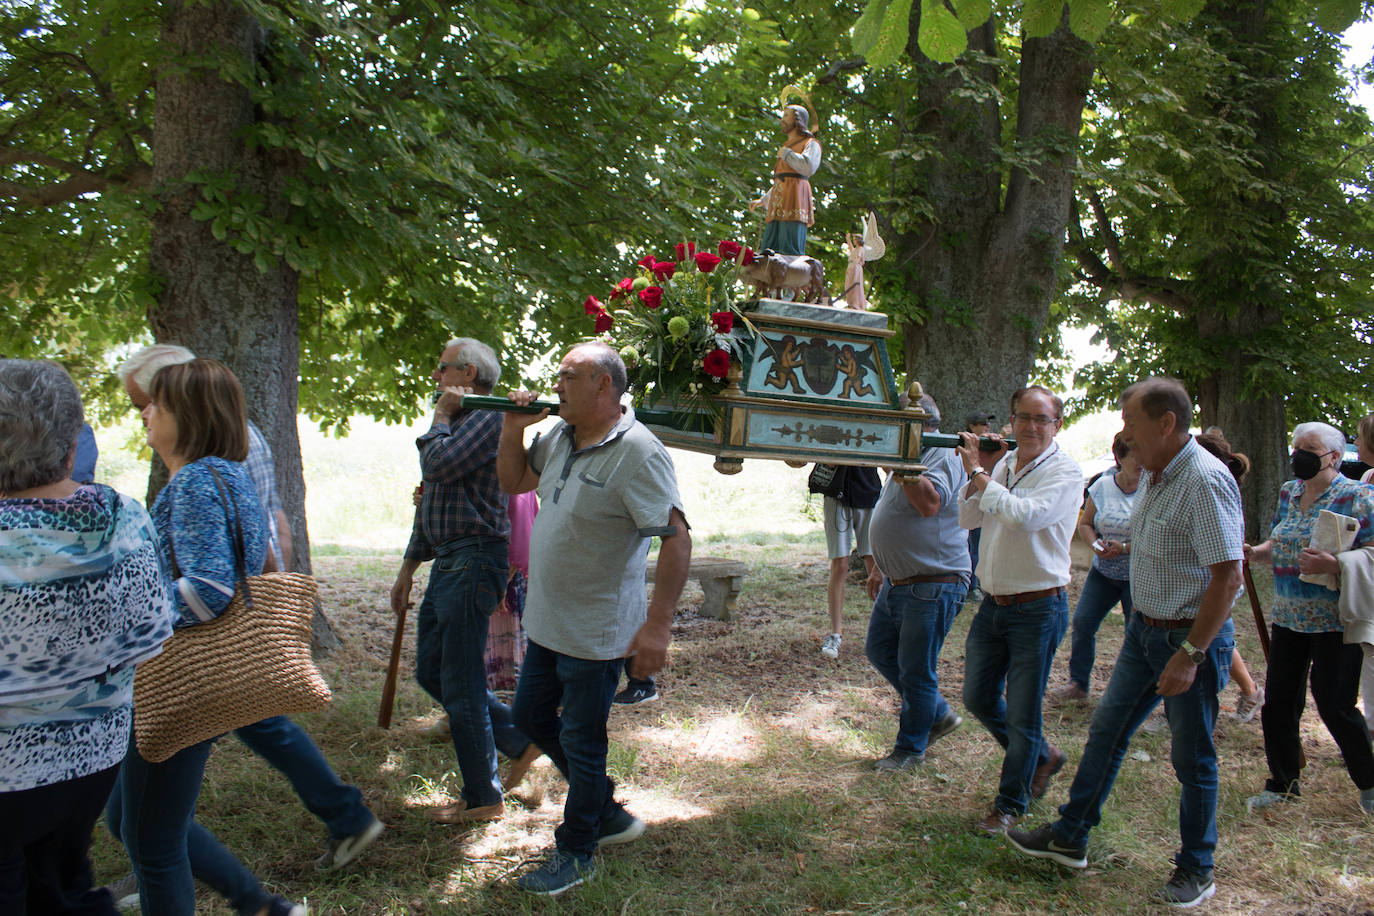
column 982, row 271
column 213, row 299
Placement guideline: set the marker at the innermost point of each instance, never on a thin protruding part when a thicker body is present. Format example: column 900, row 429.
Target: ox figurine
column 771, row 273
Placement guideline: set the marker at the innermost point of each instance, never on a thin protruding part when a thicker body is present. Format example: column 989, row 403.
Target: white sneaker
column 345, row 850
column 1267, row 798
column 831, row 647
column 1247, row 706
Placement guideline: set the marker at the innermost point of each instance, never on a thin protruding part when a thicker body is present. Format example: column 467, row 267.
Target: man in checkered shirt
column 462, row 525
column 1186, row 549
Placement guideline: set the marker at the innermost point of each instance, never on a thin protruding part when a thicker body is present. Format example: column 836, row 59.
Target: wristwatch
column 976, row 471
column 1195, row 655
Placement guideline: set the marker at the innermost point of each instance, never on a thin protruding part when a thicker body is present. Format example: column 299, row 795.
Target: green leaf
column 1180, row 10
column 1337, row 15
column 1090, row 18
column 217, row 228
column 865, row 34
column 943, row 38
column 892, row 35
column 1041, row 17
column 971, row 13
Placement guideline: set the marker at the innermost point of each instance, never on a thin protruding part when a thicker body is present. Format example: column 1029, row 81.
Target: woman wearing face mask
column 1306, row 632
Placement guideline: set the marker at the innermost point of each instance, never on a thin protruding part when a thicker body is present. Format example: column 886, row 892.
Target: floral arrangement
column 672, row 324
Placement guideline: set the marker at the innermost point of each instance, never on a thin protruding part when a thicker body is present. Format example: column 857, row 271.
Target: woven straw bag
column 250, row 663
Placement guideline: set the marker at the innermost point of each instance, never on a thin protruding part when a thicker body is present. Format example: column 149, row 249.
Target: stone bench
column 720, row 579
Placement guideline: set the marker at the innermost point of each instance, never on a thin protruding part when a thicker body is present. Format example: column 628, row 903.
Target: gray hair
column 803, row 116
column 480, row 356
column 927, row 403
column 40, row 418
column 146, row 363
column 1331, row 437
column 608, row 362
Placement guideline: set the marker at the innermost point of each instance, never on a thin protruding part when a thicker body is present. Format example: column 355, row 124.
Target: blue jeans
column 1129, row 699
column 465, row 586
column 906, row 632
column 1007, row 662
column 1100, row 594
column 286, row 746
column 576, row 740
column 152, row 811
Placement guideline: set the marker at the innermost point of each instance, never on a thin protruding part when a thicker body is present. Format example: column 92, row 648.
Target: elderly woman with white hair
column 1306, row 632
column 83, row 599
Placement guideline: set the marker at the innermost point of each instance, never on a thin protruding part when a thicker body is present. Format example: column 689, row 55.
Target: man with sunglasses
column 1026, row 508
column 462, row 525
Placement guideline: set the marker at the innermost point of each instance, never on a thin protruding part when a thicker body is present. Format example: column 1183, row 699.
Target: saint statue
column 787, row 204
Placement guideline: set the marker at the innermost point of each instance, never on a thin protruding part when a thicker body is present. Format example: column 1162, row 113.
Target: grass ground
column 754, row 768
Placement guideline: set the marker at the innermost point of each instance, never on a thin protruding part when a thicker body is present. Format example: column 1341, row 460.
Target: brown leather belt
column 1023, row 597
column 1159, row 623
column 912, row 580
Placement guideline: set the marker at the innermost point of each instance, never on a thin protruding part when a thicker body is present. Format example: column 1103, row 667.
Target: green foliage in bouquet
column 672, row 324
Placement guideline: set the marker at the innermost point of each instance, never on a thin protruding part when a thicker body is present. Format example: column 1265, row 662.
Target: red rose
column 681, row 251
column 723, row 321
column 604, row 322
column 691, row 249
column 647, row 262
column 747, row 257
column 729, row 249
column 593, row 306
column 652, row 296
column 716, row 363
column 622, row 288
column 706, row 262
column 662, row 270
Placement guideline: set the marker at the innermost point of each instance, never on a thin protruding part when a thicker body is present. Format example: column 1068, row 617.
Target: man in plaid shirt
column 461, row 524
column 1186, row 549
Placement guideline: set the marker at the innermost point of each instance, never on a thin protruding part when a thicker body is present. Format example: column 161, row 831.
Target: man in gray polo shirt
column 606, row 486
column 918, row 588
column 1186, row 550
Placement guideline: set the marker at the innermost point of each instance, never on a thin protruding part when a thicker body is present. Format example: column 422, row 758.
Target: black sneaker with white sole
column 1187, row 888
column 1044, row 843
column 635, row 694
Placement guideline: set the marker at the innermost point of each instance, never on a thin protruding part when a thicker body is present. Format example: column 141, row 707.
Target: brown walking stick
column 393, row 668
column 1264, row 638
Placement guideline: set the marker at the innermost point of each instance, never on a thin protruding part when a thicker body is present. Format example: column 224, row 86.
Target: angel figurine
column 862, row 249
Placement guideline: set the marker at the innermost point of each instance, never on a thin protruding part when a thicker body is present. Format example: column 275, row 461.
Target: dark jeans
column 465, row 586
column 1335, row 670
column 286, row 746
column 1130, row 698
column 152, row 810
column 576, row 740
column 906, row 632
column 1006, row 662
column 974, row 537
column 45, row 833
column 1100, row 594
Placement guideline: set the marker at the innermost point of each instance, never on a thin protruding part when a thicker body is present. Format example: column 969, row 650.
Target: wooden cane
column 393, row 669
column 1255, row 607
column 1264, row 638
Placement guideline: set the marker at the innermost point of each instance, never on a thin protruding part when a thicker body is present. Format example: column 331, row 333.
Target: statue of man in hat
column 787, row 204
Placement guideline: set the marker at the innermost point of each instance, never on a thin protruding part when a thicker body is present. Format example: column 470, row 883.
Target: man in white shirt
column 1026, row 507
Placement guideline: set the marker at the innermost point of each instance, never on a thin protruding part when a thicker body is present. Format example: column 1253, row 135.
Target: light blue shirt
column 1185, row 521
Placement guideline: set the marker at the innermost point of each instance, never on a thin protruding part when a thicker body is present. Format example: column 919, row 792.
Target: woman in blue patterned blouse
column 1306, row 633
column 82, row 601
column 197, row 425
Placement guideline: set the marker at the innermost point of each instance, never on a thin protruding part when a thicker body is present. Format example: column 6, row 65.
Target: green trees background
column 321, row 193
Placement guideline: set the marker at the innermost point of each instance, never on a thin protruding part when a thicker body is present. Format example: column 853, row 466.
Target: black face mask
column 1306, row 465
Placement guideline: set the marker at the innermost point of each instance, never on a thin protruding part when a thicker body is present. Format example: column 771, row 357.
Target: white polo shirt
column 1028, row 519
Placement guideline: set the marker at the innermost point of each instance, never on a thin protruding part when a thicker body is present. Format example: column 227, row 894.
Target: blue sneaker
column 560, row 872
column 623, row 828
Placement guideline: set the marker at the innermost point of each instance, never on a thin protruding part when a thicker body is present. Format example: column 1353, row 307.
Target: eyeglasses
column 443, row 365
column 1035, row 418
